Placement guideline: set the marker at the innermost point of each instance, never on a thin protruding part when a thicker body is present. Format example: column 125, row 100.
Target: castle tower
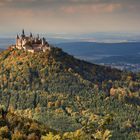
column 38, row 36
column 43, row 41
column 17, row 36
column 31, row 35
column 23, row 34
column 17, row 39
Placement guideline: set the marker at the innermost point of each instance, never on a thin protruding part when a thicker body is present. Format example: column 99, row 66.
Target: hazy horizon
column 106, row 37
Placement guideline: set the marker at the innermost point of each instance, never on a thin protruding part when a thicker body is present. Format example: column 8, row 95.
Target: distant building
column 31, row 44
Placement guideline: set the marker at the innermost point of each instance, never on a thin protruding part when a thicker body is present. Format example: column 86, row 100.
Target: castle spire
column 37, row 36
column 31, row 35
column 17, row 36
column 43, row 41
column 23, row 33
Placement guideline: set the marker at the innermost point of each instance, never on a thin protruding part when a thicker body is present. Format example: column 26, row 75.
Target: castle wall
column 24, row 41
column 32, row 51
column 19, row 42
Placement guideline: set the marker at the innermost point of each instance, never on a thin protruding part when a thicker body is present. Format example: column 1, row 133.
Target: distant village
column 123, row 66
column 31, row 43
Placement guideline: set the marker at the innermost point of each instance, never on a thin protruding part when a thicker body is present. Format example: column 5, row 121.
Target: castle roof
column 17, row 36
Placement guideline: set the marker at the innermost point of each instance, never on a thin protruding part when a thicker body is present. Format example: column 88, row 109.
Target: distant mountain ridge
column 128, row 52
column 78, row 48
column 1, row 49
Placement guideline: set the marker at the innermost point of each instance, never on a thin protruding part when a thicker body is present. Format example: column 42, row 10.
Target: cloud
column 91, row 9
column 70, row 14
column 65, row 2
column 68, row 7
column 71, row 5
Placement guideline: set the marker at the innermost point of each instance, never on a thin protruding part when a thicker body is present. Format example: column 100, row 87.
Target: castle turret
column 23, row 34
column 38, row 36
column 43, row 41
column 17, row 36
column 31, row 35
column 17, row 39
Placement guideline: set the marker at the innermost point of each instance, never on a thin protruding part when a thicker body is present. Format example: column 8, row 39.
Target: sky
column 69, row 16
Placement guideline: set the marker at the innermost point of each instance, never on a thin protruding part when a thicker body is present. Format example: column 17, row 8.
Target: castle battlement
column 31, row 43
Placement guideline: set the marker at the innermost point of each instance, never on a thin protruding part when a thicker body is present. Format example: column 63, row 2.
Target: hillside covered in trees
column 66, row 99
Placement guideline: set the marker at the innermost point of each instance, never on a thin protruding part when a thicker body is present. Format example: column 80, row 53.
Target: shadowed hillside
column 53, row 71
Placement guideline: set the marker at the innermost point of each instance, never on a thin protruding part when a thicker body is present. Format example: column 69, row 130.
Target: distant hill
column 101, row 48
column 5, row 42
column 1, row 49
column 130, row 59
column 103, row 52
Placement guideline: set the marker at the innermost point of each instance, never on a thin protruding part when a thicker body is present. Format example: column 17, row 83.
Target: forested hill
column 61, row 97
column 52, row 71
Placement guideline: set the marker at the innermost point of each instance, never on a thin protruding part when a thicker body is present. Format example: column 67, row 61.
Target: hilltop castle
column 31, row 44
